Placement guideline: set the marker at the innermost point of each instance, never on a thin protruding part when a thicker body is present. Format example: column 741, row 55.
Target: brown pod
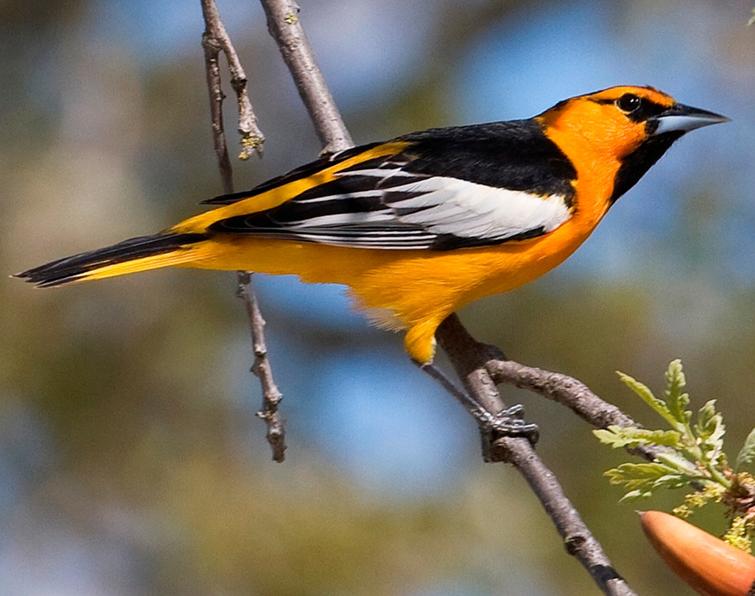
column 708, row 564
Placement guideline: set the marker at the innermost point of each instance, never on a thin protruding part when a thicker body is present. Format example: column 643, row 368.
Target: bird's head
column 618, row 120
column 632, row 125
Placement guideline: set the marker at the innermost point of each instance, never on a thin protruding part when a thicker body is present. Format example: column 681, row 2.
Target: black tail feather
column 70, row 268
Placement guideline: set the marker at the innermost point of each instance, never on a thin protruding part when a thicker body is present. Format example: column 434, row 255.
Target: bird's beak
column 681, row 118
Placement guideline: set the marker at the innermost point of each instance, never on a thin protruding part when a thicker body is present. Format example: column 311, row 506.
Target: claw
column 509, row 423
column 515, row 411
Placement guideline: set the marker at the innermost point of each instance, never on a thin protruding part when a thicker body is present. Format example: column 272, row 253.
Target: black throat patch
column 636, row 164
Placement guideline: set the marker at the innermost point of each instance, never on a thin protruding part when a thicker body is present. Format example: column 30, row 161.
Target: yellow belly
column 401, row 289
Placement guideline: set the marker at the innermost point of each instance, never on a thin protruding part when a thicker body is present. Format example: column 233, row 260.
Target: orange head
column 631, row 125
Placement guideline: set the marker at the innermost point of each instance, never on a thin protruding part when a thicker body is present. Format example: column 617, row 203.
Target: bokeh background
column 130, row 458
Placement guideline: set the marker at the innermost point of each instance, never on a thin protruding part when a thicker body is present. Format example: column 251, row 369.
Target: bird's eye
column 628, row 103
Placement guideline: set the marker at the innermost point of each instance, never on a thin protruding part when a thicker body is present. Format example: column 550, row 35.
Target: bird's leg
column 461, row 396
column 507, row 422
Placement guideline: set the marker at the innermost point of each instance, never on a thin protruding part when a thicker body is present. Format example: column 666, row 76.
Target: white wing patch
column 403, row 210
column 470, row 210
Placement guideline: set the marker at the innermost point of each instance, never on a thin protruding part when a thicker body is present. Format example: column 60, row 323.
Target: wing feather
column 428, row 212
column 396, row 202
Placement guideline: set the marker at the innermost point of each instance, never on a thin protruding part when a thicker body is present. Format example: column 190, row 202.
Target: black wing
column 296, row 174
column 446, row 188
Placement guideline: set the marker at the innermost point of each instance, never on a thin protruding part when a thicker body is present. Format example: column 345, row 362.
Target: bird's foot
column 510, row 423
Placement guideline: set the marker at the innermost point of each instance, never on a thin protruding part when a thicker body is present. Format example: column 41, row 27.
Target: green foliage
column 690, row 455
column 739, row 534
column 618, row 436
column 746, row 455
column 642, row 479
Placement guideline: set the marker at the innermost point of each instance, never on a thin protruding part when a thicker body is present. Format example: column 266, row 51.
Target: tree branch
column 561, row 388
column 469, row 358
column 276, row 432
column 566, row 390
column 570, row 392
column 284, row 25
column 214, row 40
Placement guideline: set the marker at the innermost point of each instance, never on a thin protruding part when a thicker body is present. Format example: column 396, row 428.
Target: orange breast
column 419, row 288
column 418, row 284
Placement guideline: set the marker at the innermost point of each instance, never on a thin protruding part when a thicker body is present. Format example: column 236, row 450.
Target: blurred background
column 130, row 458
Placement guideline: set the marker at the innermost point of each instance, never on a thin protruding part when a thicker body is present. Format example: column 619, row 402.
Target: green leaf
column 647, row 396
column 709, row 423
column 689, row 455
column 608, row 436
column 635, row 495
column 676, row 399
column 746, row 455
column 643, row 479
column 630, row 436
column 710, row 430
column 671, row 481
column 678, row 462
column 643, row 476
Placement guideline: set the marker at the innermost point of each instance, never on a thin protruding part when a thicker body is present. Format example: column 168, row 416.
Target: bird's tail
column 136, row 254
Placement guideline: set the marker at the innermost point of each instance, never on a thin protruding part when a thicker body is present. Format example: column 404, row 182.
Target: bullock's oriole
column 427, row 222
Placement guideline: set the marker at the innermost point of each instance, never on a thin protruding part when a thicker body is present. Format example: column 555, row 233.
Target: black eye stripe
column 647, row 108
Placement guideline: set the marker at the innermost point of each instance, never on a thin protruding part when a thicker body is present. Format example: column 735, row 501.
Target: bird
column 422, row 224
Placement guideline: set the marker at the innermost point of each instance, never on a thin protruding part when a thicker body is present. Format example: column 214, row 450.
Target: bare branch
column 566, row 390
column 469, row 358
column 577, row 538
column 284, row 26
column 215, row 88
column 276, row 432
column 561, row 388
column 214, row 39
column 570, row 392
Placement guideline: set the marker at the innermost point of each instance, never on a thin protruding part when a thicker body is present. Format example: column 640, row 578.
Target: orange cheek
column 629, row 138
column 612, row 133
column 608, row 131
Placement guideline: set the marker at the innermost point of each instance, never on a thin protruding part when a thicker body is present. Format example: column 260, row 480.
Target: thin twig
column 561, row 388
column 276, row 432
column 570, row 392
column 284, row 26
column 577, row 537
column 214, row 39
